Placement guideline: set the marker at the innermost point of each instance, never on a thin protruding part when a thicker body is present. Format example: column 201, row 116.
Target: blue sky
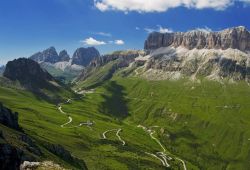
column 28, row 26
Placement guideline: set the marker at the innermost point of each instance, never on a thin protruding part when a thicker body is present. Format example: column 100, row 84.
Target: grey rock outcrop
column 28, row 73
column 83, row 56
column 235, row 38
column 10, row 157
column 26, row 165
column 64, row 56
column 65, row 155
column 8, row 118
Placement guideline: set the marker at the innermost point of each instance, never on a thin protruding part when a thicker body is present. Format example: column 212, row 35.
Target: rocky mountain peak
column 64, row 56
column 49, row 55
column 28, row 73
column 235, row 38
column 82, row 56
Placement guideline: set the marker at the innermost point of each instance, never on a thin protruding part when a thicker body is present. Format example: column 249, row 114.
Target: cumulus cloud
column 119, row 42
column 162, row 5
column 159, row 29
column 92, row 41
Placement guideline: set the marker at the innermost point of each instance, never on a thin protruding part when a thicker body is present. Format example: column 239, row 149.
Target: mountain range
column 192, row 55
column 180, row 103
column 61, row 65
column 235, row 38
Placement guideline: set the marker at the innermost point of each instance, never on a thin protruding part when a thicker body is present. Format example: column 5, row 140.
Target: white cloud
column 137, row 28
column 162, row 5
column 149, row 30
column 105, row 34
column 165, row 30
column 159, row 29
column 92, row 41
column 205, row 29
column 119, row 42
column 101, row 6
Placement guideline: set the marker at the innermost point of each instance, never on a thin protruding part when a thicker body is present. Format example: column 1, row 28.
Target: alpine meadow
column 143, row 85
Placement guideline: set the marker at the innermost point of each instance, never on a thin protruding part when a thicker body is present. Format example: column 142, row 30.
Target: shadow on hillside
column 115, row 102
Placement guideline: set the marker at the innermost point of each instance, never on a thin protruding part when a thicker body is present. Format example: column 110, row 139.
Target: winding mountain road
column 183, row 163
column 160, row 155
column 88, row 123
column 117, row 134
column 70, row 120
column 151, row 132
column 151, row 154
column 119, row 137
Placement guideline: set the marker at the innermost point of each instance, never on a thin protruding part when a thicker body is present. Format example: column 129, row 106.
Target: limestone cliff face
column 214, row 64
column 235, row 38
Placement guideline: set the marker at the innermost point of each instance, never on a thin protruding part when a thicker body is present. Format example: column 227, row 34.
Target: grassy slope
column 205, row 123
column 41, row 120
column 31, row 119
column 197, row 123
column 98, row 76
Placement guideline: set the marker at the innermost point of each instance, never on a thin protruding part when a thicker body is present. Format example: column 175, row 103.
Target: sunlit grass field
column 205, row 123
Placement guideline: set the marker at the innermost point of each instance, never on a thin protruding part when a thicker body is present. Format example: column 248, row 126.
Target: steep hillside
column 102, row 68
column 27, row 74
column 17, row 147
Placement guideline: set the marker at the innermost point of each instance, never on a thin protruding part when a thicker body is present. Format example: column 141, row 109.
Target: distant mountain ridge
column 61, row 65
column 82, row 56
column 235, row 38
column 50, row 55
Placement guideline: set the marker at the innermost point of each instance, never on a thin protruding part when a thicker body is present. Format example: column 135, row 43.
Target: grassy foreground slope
column 206, row 123
column 42, row 120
